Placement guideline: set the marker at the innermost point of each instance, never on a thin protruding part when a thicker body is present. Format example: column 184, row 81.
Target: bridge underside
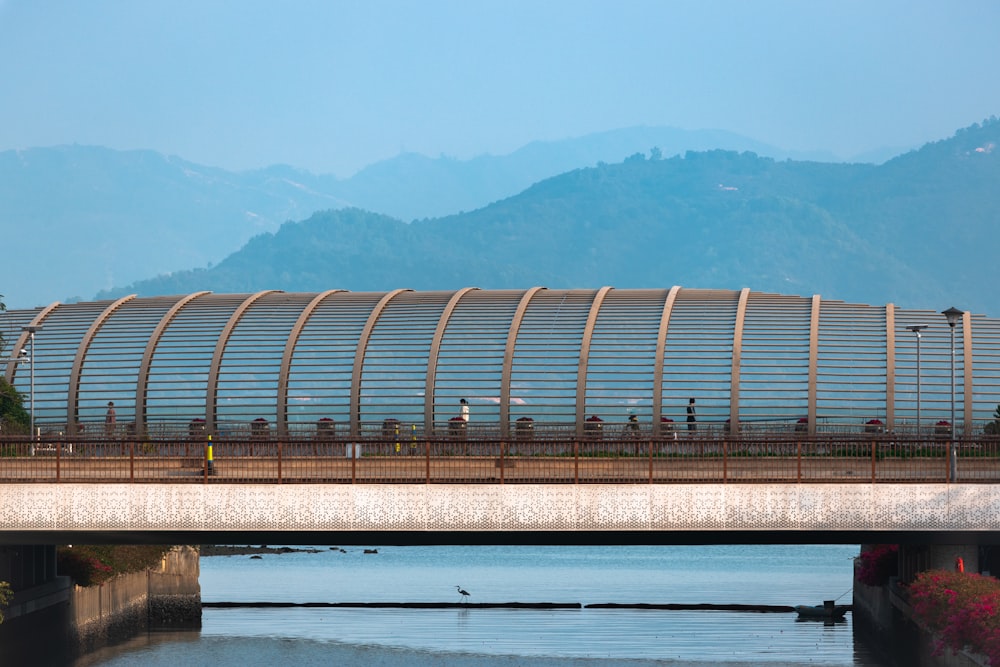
column 499, row 514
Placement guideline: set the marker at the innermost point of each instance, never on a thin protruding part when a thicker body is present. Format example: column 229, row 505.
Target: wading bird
column 464, row 593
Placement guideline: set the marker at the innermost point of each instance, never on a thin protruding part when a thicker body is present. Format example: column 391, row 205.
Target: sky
column 332, row 86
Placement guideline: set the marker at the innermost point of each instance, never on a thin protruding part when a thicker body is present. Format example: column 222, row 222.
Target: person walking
column 692, row 418
column 110, row 420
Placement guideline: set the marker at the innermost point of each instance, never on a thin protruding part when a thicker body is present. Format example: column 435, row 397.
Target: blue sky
column 332, row 86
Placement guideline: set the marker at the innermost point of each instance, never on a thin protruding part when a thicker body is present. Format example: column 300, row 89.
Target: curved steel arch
column 734, row 392
column 22, row 339
column 890, row 367
column 286, row 357
column 508, row 358
column 967, row 359
column 212, row 387
column 73, row 392
column 817, row 303
column 142, row 384
column 661, row 347
column 359, row 358
column 435, row 351
column 581, row 372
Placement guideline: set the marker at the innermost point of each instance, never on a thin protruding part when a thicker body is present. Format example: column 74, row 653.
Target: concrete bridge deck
column 494, row 513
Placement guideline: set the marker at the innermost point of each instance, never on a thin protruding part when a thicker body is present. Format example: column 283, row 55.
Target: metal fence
column 460, row 458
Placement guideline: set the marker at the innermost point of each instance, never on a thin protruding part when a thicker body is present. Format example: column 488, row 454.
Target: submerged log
column 401, row 605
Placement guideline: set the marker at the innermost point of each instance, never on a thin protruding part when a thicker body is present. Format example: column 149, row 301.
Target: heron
column 464, row 593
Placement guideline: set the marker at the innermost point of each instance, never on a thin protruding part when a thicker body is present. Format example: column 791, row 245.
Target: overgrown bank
column 90, row 564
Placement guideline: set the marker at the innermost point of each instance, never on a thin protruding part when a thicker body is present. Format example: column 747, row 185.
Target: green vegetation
column 89, row 565
column 993, row 427
column 13, row 417
column 5, row 595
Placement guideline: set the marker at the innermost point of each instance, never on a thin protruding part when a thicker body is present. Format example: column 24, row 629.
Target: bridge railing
column 600, row 457
column 164, row 429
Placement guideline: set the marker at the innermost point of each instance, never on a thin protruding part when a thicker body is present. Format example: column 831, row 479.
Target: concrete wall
column 169, row 596
column 174, row 591
column 83, row 619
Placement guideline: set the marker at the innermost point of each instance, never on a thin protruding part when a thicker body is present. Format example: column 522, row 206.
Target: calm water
column 772, row 575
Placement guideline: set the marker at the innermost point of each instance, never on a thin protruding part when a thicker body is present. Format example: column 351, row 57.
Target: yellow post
column 208, row 457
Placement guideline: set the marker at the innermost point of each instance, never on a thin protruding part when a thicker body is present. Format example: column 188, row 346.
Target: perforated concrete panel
column 516, row 508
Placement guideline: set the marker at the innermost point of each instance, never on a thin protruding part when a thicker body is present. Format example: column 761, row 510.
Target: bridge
column 636, row 489
column 625, row 415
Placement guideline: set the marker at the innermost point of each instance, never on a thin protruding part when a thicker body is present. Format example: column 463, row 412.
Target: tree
column 12, row 412
column 5, row 596
column 993, row 427
column 13, row 416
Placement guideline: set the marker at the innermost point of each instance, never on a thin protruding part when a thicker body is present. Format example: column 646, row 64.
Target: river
column 746, row 574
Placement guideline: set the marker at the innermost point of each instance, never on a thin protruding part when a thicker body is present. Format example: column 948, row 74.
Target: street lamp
column 917, row 328
column 953, row 315
column 31, row 357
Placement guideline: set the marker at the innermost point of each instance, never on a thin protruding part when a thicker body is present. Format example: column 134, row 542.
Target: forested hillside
column 917, row 231
column 101, row 217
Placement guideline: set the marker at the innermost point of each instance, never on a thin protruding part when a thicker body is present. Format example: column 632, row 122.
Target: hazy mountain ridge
column 434, row 187
column 98, row 217
column 101, row 218
column 910, row 231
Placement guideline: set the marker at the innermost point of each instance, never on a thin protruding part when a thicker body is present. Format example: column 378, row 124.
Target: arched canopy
column 356, row 359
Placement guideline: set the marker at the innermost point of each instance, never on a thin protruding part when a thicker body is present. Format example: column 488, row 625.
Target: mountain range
column 82, row 219
column 913, row 231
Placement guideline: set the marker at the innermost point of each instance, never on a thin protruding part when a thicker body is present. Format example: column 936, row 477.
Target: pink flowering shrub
column 90, row 564
column 878, row 564
column 962, row 609
column 83, row 568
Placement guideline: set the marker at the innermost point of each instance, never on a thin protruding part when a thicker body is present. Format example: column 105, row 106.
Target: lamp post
column 953, row 315
column 31, row 357
column 917, row 328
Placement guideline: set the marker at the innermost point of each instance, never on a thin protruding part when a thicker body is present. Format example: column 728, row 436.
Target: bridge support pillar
column 27, row 565
column 915, row 558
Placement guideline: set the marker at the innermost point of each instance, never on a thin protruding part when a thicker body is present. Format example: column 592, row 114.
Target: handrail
column 457, row 458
